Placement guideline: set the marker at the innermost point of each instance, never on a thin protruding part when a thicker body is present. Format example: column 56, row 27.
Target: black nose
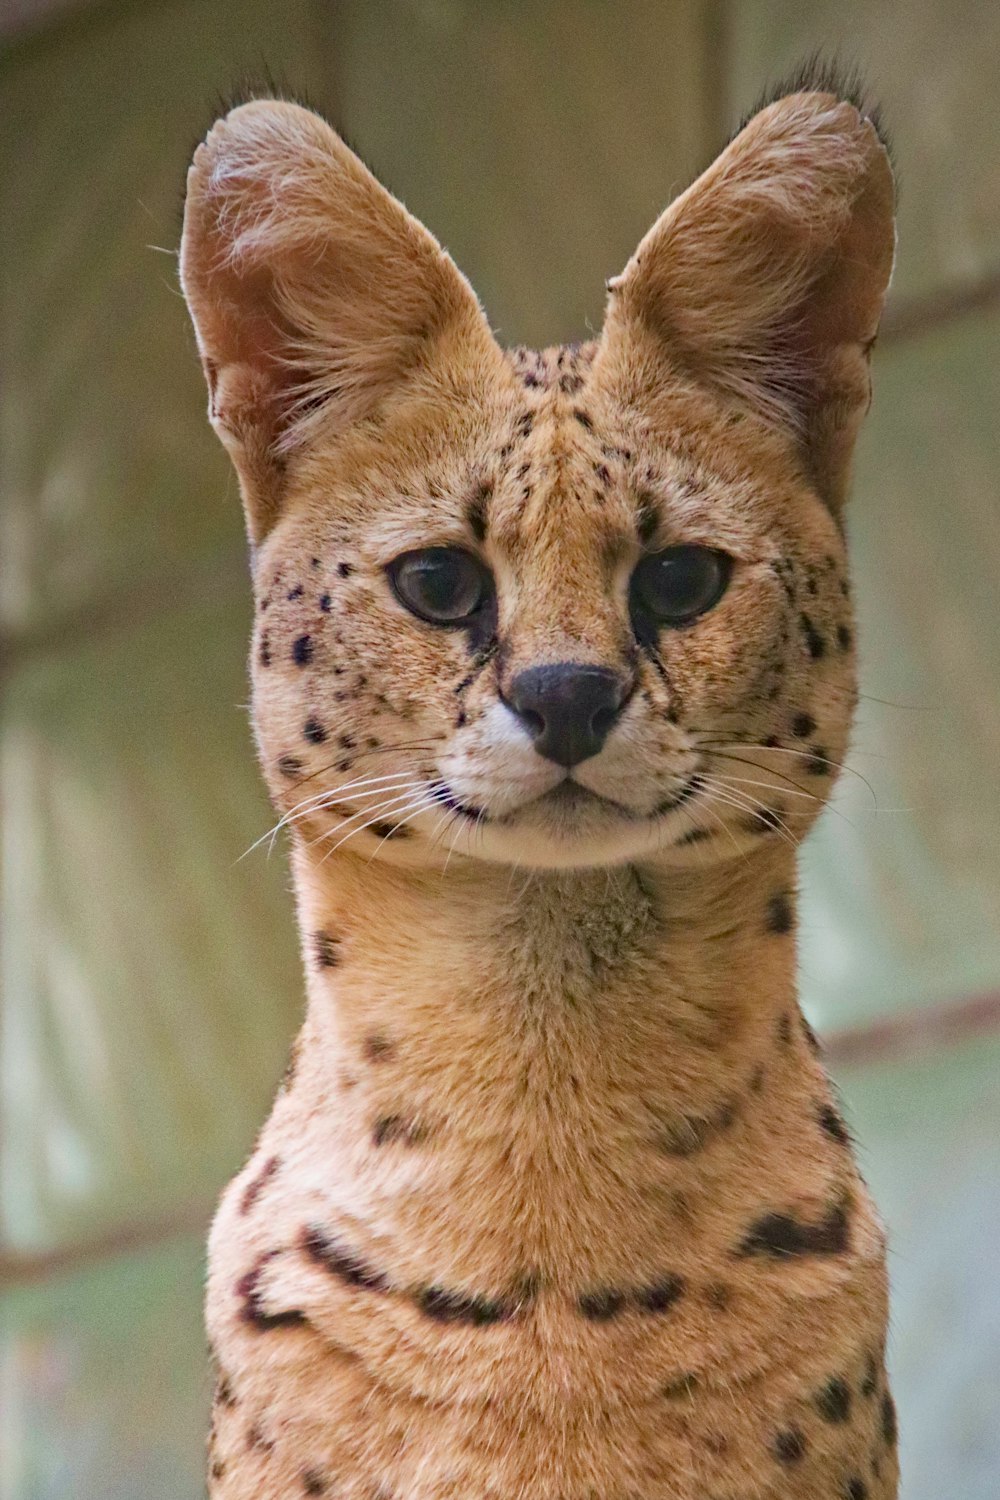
column 568, row 708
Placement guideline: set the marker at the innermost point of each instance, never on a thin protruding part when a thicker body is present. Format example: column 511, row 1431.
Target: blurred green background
column 150, row 977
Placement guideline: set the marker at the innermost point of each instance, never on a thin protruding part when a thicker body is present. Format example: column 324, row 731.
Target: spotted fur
column 553, row 1201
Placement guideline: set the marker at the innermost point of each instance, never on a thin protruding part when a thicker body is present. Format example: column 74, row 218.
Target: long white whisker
column 400, row 822
column 398, row 795
column 315, row 800
column 360, row 829
column 334, row 796
column 742, row 802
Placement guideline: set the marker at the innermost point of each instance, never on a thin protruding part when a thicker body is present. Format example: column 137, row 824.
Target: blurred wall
column 150, row 976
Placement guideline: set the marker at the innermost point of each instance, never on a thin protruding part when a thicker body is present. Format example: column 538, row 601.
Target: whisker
column 333, row 794
column 743, row 802
column 376, row 819
column 394, row 796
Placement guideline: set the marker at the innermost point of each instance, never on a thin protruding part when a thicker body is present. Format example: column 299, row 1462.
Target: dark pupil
column 682, row 582
column 441, row 584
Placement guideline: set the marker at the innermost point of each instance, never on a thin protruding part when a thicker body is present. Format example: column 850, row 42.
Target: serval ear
column 765, row 279
column 313, row 292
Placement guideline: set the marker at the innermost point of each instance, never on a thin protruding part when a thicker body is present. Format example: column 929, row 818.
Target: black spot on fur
column 869, row 1381
column 890, row 1431
column 583, row 419
column 831, row 1122
column 833, row 1402
column 789, row 1446
column 324, row 603
column 313, row 1482
column 855, row 1489
column 390, row 830
column 719, row 1296
column 803, row 725
column 325, row 947
column 378, row 1048
column 257, row 1184
column 302, row 650
column 780, row 914
column 264, row 656
column 345, row 569
column 390, row 1128
column 253, row 1310
column 224, row 1392
column 341, row 1262
column 694, row 836
column 296, row 592
column 314, row 731
column 602, row 1305
column 456, row 1307
column 815, row 644
column 779, row 1236
column 659, row 1295
column 763, row 820
column 783, row 1029
column 289, row 765
column 844, row 638
column 684, row 1386
column 819, row 763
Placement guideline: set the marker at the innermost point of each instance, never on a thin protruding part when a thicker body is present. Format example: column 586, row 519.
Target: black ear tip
column 826, row 73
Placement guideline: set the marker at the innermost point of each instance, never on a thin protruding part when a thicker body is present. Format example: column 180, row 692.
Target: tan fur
column 555, row 1203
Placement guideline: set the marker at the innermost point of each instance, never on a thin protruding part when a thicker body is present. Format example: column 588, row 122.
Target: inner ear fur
column 312, row 290
column 765, row 279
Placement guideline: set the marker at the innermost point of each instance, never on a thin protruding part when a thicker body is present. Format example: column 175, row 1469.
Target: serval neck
column 627, row 987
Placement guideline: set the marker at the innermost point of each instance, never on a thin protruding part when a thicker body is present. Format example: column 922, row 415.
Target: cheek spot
column 265, row 652
column 803, row 725
column 289, row 766
column 324, row 603
column 833, row 1402
column 302, row 650
column 844, row 638
column 345, row 569
column 314, row 731
column 296, row 592
column 818, row 763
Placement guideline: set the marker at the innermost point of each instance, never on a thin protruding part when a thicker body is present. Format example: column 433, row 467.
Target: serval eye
column 443, row 585
column 676, row 586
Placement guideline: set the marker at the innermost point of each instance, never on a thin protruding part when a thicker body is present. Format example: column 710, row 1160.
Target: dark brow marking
column 646, row 521
column 475, row 511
